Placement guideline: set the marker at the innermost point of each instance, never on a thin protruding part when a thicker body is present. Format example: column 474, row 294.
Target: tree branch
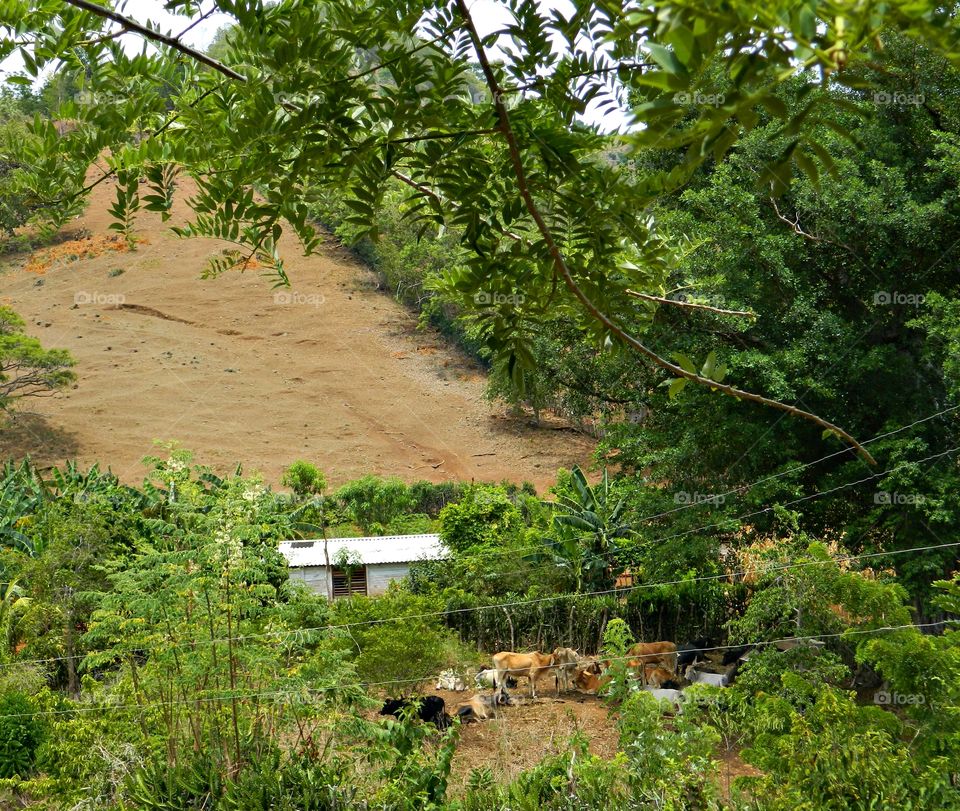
column 691, row 305
column 540, row 81
column 156, row 36
column 561, row 267
column 794, row 224
column 432, row 136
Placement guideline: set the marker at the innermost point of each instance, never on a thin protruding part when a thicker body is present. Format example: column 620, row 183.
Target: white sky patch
column 489, row 16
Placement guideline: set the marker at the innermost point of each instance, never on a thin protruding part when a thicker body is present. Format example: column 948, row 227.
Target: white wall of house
column 379, row 577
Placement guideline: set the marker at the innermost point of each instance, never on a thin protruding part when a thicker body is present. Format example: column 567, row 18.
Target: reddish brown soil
column 522, row 736
column 334, row 371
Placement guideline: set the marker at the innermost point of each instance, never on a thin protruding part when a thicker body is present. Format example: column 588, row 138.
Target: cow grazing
column 449, row 680
column 689, row 652
column 431, row 709
column 654, row 653
column 655, row 676
column 529, row 665
column 595, row 666
column 565, row 660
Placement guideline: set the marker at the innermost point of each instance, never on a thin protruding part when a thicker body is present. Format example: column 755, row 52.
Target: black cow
column 429, row 708
column 689, row 652
column 733, row 654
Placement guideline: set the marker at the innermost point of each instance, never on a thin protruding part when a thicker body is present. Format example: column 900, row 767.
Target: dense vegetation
column 786, row 218
column 156, row 655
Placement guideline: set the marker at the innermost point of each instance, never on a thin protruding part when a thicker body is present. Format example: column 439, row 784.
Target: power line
column 432, row 615
column 727, row 521
column 603, row 592
column 716, row 497
column 368, row 684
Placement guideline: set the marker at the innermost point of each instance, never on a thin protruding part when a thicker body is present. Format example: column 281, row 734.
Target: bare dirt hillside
column 332, row 371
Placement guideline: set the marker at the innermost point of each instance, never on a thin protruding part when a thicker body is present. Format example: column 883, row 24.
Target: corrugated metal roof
column 380, row 549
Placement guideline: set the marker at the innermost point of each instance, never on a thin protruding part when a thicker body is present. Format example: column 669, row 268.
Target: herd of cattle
column 661, row 668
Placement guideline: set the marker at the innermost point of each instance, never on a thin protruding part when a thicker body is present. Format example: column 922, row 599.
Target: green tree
column 62, row 583
column 21, row 733
column 550, row 221
column 13, row 603
column 484, row 517
column 372, row 502
column 305, row 479
column 26, row 368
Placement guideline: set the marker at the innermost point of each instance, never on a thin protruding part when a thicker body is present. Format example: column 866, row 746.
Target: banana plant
column 589, row 521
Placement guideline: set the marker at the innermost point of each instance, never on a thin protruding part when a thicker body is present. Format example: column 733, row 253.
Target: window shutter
column 357, row 583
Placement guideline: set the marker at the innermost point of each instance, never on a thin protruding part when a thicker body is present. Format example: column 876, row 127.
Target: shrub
column 305, row 479
column 372, row 502
column 20, row 734
column 838, row 755
column 484, row 516
column 670, row 767
column 389, row 649
column 431, row 498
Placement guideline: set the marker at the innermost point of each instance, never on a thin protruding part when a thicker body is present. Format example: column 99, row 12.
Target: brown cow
column 654, row 653
column 656, row 676
column 591, row 678
column 529, row 665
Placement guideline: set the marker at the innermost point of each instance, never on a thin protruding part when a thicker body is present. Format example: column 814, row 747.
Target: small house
column 357, row 565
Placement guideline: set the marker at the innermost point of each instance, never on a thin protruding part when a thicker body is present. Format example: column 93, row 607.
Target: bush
column 484, row 516
column 431, row 498
column 305, row 479
column 372, row 502
column 669, row 766
column 21, row 732
column 389, row 649
column 835, row 754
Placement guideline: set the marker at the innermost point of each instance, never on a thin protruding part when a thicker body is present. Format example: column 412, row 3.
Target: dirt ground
column 332, row 370
column 523, row 735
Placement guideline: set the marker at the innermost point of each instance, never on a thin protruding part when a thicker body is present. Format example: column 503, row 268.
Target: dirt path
column 331, row 371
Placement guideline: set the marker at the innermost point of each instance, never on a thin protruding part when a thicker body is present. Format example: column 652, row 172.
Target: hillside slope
column 331, row 371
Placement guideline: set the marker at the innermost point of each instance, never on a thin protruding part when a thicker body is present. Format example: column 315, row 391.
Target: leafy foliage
column 26, row 368
column 20, row 735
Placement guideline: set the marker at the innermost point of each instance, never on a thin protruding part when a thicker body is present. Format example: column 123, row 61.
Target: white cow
column 695, row 676
column 488, row 678
column 663, row 694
